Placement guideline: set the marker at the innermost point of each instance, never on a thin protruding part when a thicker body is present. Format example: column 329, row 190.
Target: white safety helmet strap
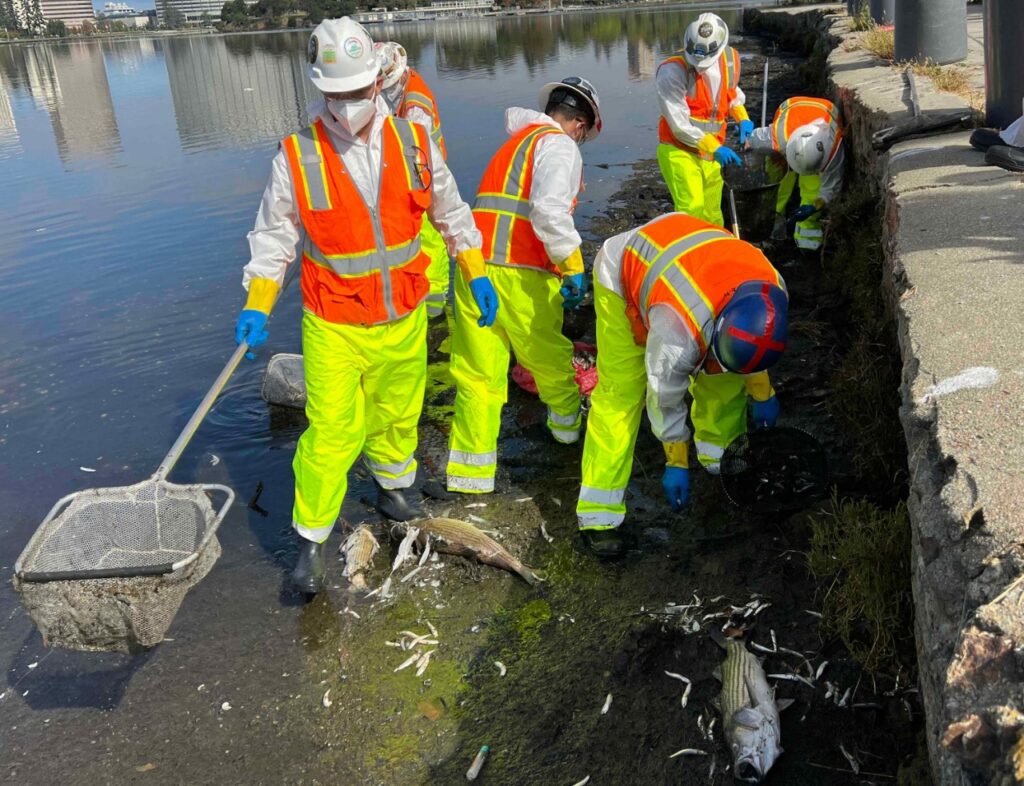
column 705, row 40
column 809, row 146
column 341, row 56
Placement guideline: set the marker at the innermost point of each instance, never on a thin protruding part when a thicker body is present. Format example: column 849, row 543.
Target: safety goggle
column 699, row 50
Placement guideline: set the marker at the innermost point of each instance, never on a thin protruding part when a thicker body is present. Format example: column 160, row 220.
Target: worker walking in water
column 408, row 95
column 355, row 185
column 680, row 304
column 698, row 90
column 806, row 132
column 524, row 209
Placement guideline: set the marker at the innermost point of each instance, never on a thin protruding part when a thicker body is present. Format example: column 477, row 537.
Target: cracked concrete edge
column 967, row 556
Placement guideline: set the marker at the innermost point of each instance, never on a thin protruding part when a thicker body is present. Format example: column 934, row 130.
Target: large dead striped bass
column 750, row 713
column 451, row 536
column 359, row 549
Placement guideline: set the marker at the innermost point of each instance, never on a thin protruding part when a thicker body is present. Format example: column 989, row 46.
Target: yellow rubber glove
column 758, row 386
column 471, row 263
column 739, row 113
column 709, row 144
column 262, row 294
column 572, row 265
column 819, row 203
column 677, row 454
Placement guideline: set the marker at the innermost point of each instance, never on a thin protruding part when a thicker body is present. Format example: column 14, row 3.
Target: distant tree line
column 239, row 15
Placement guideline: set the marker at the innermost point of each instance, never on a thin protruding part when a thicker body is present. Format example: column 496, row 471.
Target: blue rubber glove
column 573, row 290
column 250, row 328
column 676, row 482
column 746, row 129
column 726, row 155
column 765, row 413
column 803, row 212
column 486, row 300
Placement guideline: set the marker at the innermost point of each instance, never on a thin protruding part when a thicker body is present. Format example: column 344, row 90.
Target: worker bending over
column 680, row 304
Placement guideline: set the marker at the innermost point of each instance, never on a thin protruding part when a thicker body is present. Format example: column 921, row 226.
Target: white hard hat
column 704, row 40
column 341, row 56
column 808, row 147
column 393, row 61
column 576, row 92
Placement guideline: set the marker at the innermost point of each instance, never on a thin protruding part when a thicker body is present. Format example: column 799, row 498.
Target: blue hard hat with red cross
column 750, row 333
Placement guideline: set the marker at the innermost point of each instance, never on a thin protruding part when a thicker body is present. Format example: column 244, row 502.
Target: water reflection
column 69, row 82
column 9, row 142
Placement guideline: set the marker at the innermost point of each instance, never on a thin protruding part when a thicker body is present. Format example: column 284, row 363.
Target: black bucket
column 756, row 193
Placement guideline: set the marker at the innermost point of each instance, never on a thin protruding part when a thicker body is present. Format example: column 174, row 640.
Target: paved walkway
column 953, row 231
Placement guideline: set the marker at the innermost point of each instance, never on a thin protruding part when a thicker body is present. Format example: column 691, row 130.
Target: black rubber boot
column 311, row 568
column 604, row 543
column 394, row 504
column 1006, row 156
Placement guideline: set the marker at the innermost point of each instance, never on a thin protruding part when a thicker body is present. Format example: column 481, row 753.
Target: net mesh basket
column 284, row 381
column 108, row 568
column 777, row 470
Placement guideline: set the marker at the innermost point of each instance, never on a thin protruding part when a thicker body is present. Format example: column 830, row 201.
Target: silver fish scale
column 739, row 665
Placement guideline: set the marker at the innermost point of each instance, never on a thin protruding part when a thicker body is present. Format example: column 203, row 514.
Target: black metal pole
column 1004, row 61
column 934, row 30
column 883, row 12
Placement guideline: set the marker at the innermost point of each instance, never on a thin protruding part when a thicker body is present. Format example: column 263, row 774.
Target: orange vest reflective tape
column 418, row 94
column 706, row 113
column 360, row 264
column 502, row 207
column 799, row 111
column 691, row 266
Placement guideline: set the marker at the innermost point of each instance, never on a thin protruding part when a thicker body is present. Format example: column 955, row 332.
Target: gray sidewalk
column 953, row 233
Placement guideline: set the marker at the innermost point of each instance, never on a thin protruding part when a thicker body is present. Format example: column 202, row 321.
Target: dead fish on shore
column 451, row 536
column 359, row 550
column 750, row 713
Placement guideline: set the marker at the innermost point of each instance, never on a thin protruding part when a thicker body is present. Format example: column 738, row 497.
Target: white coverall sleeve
column 832, row 177
column 670, row 357
column 448, row 213
column 557, row 172
column 672, row 82
column 418, row 114
column 739, row 100
column 273, row 238
column 761, row 139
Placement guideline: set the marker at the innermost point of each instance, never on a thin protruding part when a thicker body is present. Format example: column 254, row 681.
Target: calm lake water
column 131, row 172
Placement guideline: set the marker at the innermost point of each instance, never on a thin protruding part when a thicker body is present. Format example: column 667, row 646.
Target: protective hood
column 517, row 118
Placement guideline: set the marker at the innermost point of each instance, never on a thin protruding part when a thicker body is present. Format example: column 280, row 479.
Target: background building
column 194, row 11
column 72, row 13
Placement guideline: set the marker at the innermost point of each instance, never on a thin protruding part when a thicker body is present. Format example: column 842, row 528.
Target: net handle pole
column 211, row 395
column 764, row 96
column 735, row 216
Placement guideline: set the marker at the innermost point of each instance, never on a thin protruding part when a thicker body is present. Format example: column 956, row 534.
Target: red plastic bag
column 584, row 361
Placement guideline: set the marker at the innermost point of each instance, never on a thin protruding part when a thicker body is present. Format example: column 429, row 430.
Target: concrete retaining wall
column 953, row 234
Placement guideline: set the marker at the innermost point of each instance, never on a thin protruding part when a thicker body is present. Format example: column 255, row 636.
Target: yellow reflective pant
column 364, row 394
column 718, row 414
column 695, row 184
column 439, row 271
column 530, row 321
column 808, row 233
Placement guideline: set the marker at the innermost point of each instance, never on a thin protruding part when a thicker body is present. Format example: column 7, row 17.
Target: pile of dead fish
column 410, row 641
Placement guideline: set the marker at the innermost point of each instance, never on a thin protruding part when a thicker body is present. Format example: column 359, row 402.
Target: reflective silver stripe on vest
column 781, row 137
column 501, row 203
column 367, row 262
column 436, row 135
column 708, row 126
column 662, row 265
column 312, row 163
column 503, row 227
column 407, row 136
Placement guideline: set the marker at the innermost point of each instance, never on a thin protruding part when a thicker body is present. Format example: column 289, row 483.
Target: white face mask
column 394, row 94
column 352, row 114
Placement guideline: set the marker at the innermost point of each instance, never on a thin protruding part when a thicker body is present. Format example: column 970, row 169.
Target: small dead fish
column 326, row 700
column 607, row 705
column 854, row 764
column 475, row 505
column 411, row 573
column 524, row 499
column 501, row 668
column 405, row 548
column 689, row 752
column 792, row 678
column 749, row 711
column 424, row 661
column 407, row 663
column 544, row 533
column 433, row 630
column 464, row 540
column 821, row 670
column 583, row 782
column 359, row 550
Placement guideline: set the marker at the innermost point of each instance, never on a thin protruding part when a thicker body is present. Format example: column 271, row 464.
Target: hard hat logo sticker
column 314, row 47
column 705, row 30
column 330, row 55
column 353, row 48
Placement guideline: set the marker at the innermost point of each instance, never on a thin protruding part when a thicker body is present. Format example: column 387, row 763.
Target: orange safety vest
column 690, row 265
column 502, row 207
column 799, row 111
column 418, row 94
column 362, row 265
column 705, row 114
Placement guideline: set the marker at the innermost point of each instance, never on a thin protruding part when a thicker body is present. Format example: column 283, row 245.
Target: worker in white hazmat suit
column 364, row 282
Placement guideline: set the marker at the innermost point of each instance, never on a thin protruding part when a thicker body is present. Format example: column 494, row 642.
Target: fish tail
column 529, row 576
